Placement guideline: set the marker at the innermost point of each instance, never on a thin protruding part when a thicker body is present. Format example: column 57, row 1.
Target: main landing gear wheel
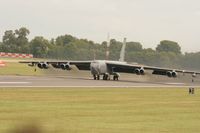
column 96, row 77
column 115, row 77
column 106, row 77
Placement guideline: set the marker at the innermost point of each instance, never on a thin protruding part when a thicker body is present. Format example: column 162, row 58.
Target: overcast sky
column 145, row 21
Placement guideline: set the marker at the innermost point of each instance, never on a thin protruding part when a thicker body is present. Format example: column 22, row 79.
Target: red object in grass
column 2, row 64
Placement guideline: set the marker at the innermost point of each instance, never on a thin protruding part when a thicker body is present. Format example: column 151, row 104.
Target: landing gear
column 96, row 77
column 106, row 77
column 115, row 77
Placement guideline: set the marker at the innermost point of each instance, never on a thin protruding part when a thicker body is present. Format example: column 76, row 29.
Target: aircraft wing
column 132, row 68
column 169, row 69
column 125, row 68
column 81, row 65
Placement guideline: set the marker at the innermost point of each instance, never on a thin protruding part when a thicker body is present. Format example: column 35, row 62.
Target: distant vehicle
column 109, row 68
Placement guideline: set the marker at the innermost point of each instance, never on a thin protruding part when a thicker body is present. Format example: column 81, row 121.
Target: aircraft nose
column 94, row 70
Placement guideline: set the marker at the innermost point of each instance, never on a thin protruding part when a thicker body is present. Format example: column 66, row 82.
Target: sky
column 145, row 21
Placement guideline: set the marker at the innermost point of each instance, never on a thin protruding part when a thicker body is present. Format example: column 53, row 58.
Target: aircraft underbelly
column 103, row 70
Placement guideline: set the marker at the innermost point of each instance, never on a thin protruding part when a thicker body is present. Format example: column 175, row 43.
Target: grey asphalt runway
column 87, row 81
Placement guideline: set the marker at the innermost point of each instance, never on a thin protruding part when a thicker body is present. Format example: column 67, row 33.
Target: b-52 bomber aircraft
column 109, row 68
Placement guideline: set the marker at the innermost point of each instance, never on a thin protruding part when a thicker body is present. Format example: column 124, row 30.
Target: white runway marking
column 14, row 82
column 98, row 86
column 174, row 83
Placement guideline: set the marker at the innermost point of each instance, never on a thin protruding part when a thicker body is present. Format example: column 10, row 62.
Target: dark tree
column 39, row 47
column 169, row 46
column 16, row 41
column 64, row 40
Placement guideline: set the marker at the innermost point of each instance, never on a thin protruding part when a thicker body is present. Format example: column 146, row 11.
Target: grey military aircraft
column 109, row 68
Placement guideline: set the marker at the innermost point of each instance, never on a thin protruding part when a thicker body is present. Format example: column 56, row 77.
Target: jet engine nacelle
column 65, row 66
column 43, row 65
column 194, row 75
column 40, row 65
column 172, row 74
column 137, row 71
column 169, row 74
column 140, row 71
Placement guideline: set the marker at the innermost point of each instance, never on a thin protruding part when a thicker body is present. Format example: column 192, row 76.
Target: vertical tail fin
column 107, row 47
column 122, row 53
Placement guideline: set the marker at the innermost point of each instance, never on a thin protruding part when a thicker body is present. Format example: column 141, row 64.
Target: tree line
column 167, row 53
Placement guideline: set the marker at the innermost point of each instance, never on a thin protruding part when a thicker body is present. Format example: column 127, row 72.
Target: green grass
column 14, row 68
column 97, row 110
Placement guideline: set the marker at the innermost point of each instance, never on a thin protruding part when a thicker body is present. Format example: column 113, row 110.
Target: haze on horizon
column 143, row 21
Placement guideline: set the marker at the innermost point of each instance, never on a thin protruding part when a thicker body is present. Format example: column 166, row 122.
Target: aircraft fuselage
column 99, row 67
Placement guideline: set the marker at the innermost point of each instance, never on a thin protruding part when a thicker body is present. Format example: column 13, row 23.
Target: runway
column 85, row 81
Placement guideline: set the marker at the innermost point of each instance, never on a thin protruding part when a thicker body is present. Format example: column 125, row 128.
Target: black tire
column 98, row 77
column 117, row 78
column 105, row 77
column 114, row 77
column 95, row 78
